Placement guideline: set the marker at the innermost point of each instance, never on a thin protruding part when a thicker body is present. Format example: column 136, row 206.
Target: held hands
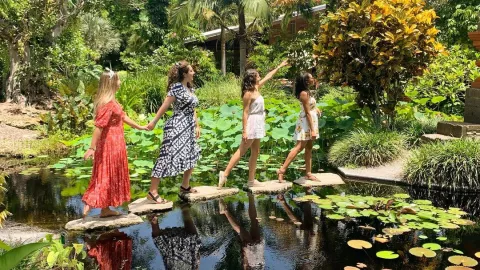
column 143, row 127
column 150, row 126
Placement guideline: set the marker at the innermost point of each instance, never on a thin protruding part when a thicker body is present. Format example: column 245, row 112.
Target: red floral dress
column 113, row 254
column 110, row 182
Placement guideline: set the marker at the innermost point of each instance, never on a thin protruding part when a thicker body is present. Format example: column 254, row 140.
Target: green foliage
column 443, row 84
column 57, row 256
column 3, row 211
column 13, row 257
column 219, row 91
column 99, row 34
column 267, row 57
column 450, row 165
column 374, row 47
column 414, row 128
column 361, row 148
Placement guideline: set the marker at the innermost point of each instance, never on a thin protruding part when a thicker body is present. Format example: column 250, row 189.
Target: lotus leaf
column 325, row 206
column 359, row 244
column 361, row 205
column 442, row 238
column 393, row 231
column 423, row 236
column 335, row 216
column 414, row 226
column 353, row 213
column 429, row 225
column 456, row 211
column 458, row 251
column 463, row 260
column 432, row 246
column 461, row 221
column 422, row 202
column 456, row 267
column 422, row 252
column 322, row 201
column 401, row 196
column 343, row 204
column 477, row 255
column 381, row 240
column 368, row 212
column 426, row 215
column 387, row 254
column 409, row 217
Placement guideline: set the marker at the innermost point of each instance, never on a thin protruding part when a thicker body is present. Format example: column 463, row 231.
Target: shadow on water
column 236, row 232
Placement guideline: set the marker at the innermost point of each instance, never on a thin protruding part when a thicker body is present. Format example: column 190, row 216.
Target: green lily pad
column 422, row 202
column 456, row 211
column 458, row 251
column 325, row 206
column 387, row 254
column 442, row 238
column 463, row 260
column 423, row 237
column 343, row 204
column 461, row 221
column 432, row 246
column 448, row 225
column 401, row 196
column 335, row 216
column 429, row 225
column 422, row 252
column 359, row 244
column 353, row 213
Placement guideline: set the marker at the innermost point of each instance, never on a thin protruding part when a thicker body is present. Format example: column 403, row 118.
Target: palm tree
column 220, row 12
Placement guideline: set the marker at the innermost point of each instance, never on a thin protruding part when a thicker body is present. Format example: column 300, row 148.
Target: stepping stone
column 326, row 179
column 95, row 222
column 142, row 206
column 206, row 193
column 272, row 186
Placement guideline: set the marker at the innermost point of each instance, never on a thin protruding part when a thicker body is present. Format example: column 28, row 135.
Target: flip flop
column 155, row 199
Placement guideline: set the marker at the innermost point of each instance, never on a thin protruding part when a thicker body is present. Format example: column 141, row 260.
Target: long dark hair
column 177, row 73
column 301, row 84
column 249, row 81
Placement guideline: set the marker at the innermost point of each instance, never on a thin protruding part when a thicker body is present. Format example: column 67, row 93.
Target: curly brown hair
column 177, row 73
column 249, row 81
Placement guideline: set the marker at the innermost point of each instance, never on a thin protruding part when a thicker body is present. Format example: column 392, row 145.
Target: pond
column 237, row 232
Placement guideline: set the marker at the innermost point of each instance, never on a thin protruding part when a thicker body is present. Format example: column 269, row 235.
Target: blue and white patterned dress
column 179, row 151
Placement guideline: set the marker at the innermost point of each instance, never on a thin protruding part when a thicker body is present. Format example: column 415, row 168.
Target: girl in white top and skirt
column 306, row 129
column 253, row 124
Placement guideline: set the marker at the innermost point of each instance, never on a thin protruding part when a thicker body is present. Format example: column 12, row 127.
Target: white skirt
column 256, row 126
column 302, row 129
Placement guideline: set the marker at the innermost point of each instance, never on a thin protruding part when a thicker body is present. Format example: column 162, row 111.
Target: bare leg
column 154, row 223
column 244, row 146
column 308, row 162
column 186, row 181
column 291, row 156
column 252, row 163
column 86, row 210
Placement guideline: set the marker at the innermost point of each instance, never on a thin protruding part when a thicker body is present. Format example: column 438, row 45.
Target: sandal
column 111, row 214
column 221, row 179
column 255, row 183
column 155, row 199
column 187, row 190
column 311, row 177
column 280, row 174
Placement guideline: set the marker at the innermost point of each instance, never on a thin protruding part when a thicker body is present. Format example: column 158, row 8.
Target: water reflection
column 111, row 251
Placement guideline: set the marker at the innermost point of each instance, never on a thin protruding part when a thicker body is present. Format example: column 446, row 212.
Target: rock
column 326, row 179
column 272, row 186
column 142, row 206
column 95, row 222
column 207, row 192
column 436, row 137
column 15, row 233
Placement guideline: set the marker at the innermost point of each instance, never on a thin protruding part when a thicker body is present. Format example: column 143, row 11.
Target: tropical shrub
column 58, row 256
column 361, row 148
column 374, row 47
column 443, row 84
column 12, row 257
column 219, row 91
column 449, row 165
column 267, row 57
column 414, row 128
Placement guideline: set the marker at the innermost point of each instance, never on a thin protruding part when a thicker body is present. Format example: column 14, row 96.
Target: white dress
column 302, row 129
column 256, row 119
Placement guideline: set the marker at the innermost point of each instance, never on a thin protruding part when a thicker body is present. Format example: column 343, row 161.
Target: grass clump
column 451, row 165
column 361, row 148
column 219, row 91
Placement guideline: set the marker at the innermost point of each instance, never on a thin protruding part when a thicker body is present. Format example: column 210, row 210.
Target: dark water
column 236, row 232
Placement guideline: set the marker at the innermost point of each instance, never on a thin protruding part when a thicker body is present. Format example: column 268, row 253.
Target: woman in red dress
column 110, row 182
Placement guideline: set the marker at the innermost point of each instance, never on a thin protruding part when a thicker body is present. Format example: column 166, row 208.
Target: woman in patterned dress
column 306, row 130
column 110, row 182
column 253, row 124
column 179, row 151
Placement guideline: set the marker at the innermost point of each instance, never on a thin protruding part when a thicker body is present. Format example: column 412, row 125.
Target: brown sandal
column 280, row 174
column 155, row 199
column 187, row 190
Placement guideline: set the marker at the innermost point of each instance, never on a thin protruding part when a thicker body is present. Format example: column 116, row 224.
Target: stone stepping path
column 326, row 179
column 207, row 193
column 95, row 222
column 143, row 205
column 272, row 186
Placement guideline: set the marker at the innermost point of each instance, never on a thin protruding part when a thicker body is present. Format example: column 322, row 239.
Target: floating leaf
column 447, row 225
column 394, row 231
column 456, row 211
column 461, row 221
column 325, row 206
column 442, row 238
column 422, row 202
column 335, row 216
column 432, row 246
column 429, row 225
column 477, row 255
column 351, row 268
column 359, row 244
column 463, row 260
column 423, row 237
column 458, row 268
column 381, row 240
column 367, row 227
column 387, row 254
column 458, row 251
column 422, row 252
column 401, row 196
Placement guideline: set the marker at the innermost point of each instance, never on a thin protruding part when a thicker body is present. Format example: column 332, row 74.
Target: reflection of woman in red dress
column 110, row 182
column 113, row 251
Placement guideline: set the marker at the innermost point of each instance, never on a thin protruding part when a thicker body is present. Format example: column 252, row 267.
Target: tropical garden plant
column 374, row 47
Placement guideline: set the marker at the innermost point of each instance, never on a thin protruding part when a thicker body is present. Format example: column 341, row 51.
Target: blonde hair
column 107, row 88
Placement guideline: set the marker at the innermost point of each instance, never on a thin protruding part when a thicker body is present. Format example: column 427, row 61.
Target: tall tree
column 21, row 22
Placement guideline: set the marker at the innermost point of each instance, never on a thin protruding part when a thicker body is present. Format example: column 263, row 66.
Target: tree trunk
column 223, row 53
column 242, row 38
column 12, row 91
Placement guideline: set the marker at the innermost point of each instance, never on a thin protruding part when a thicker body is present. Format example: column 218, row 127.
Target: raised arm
column 166, row 104
column 247, row 99
column 272, row 73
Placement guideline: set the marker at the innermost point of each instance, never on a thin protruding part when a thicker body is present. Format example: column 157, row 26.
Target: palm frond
column 256, row 8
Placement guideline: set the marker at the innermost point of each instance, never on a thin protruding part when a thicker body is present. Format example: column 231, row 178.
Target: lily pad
column 394, row 231
column 456, row 267
column 387, row 254
column 477, row 255
column 442, row 238
column 351, row 268
column 429, row 225
column 458, row 251
column 448, row 225
column 422, row 252
column 432, row 246
column 401, row 196
column 335, row 216
column 370, row 228
column 463, row 260
column 461, row 221
column 325, row 206
column 456, row 211
column 359, row 244
column 381, row 240
column 422, row 202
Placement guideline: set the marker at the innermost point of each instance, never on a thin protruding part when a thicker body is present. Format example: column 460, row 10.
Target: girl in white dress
column 253, row 124
column 306, row 130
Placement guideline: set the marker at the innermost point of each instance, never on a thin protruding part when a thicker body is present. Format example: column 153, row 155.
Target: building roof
column 213, row 34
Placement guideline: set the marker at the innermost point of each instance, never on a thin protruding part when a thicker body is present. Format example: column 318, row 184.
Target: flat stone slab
column 437, row 137
column 272, row 186
column 326, row 179
column 142, row 206
column 207, row 193
column 390, row 172
column 95, row 222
